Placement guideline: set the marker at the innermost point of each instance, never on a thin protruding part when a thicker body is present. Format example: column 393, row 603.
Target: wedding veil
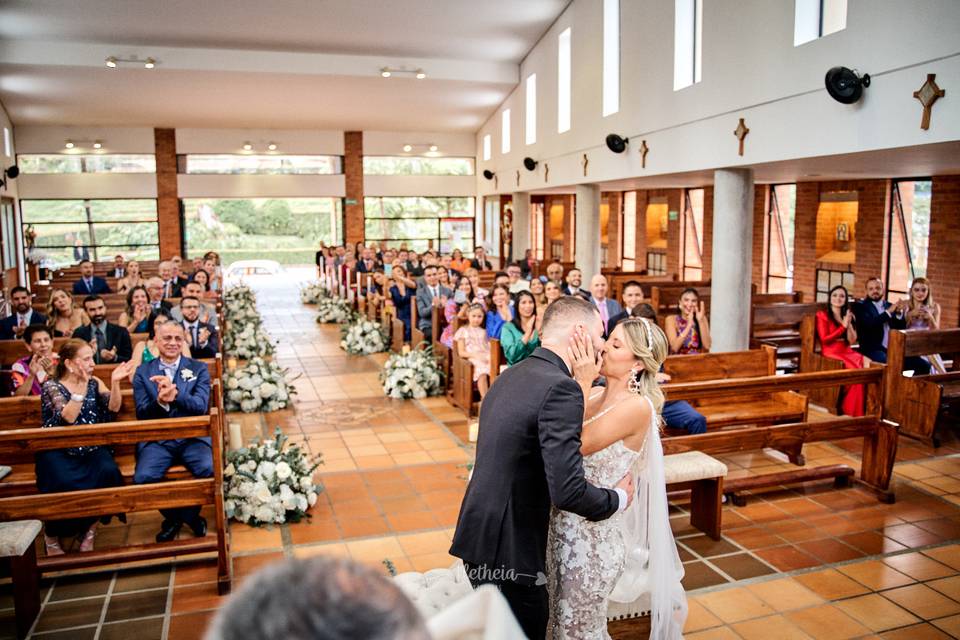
column 652, row 566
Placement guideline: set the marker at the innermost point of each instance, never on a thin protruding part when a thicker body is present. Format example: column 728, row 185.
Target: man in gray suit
column 607, row 307
column 430, row 294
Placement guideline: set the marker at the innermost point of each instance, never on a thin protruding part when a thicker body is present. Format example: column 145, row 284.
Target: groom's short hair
column 567, row 310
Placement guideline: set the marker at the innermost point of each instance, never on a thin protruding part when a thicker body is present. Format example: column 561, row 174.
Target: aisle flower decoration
column 362, row 337
column 258, row 385
column 244, row 336
column 313, row 292
column 334, row 310
column 414, row 374
column 270, row 482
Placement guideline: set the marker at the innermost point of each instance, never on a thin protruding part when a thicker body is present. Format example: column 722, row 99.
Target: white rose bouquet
column 334, row 310
column 244, row 336
column 414, row 374
column 313, row 292
column 258, row 385
column 362, row 336
column 270, row 483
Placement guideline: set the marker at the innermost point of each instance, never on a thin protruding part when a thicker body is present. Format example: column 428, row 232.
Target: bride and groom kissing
column 538, row 520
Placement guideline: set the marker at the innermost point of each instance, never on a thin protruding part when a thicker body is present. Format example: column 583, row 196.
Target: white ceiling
column 279, row 64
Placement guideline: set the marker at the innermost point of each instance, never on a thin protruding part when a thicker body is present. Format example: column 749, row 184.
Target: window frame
column 183, row 164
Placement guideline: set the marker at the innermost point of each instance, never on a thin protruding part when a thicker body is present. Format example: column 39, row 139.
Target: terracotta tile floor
column 808, row 561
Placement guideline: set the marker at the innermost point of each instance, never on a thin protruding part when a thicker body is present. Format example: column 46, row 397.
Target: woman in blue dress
column 402, row 295
column 74, row 397
column 136, row 317
column 500, row 310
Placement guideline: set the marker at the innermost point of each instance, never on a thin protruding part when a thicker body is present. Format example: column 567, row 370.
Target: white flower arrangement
column 37, row 257
column 313, row 292
column 258, row 385
column 270, row 483
column 362, row 337
column 414, row 374
column 334, row 310
column 244, row 336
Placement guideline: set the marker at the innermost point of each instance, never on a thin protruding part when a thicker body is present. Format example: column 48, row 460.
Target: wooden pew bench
column 778, row 324
column 464, row 393
column 703, row 476
column 17, row 543
column 921, row 404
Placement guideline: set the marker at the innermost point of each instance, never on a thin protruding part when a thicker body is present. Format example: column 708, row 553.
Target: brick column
column 353, row 214
column 873, row 204
column 614, row 223
column 942, row 253
column 640, row 246
column 674, row 206
column 805, row 240
column 168, row 201
column 760, row 222
column 706, row 235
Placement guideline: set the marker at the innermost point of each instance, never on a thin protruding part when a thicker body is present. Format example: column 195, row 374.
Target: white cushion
column 16, row 537
column 692, row 465
column 4, row 471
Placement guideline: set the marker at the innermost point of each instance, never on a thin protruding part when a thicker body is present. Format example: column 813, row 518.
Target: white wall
column 6, row 160
column 48, row 139
column 750, row 69
column 288, row 141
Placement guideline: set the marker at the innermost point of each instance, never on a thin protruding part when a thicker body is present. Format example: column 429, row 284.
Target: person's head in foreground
column 321, row 598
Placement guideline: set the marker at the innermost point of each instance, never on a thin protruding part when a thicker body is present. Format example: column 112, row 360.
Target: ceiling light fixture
column 76, row 143
column 434, row 147
column 427, row 146
column 420, row 74
column 97, row 144
column 272, row 146
column 407, row 148
column 247, row 146
column 149, row 63
column 69, row 144
column 114, row 62
column 387, row 72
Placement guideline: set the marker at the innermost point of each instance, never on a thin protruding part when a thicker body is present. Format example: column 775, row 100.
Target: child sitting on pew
column 474, row 345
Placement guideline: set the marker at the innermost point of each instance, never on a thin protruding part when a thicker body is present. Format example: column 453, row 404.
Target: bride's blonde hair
column 649, row 345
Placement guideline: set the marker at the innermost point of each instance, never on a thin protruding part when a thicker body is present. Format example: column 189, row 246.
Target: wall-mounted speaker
column 488, row 174
column 530, row 164
column 616, row 143
column 845, row 85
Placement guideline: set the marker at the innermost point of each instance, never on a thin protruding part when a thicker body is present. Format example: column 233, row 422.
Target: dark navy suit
column 870, row 329
column 97, row 286
column 193, row 399
column 9, row 324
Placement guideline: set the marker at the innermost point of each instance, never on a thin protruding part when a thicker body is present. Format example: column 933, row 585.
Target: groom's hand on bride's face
column 626, row 483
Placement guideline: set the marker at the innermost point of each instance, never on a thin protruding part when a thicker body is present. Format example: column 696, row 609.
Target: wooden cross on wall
column 927, row 94
column 643, row 153
column 518, row 177
column 546, row 172
column 585, row 161
column 741, row 132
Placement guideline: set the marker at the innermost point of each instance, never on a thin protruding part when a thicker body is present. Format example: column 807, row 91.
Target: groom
column 528, row 457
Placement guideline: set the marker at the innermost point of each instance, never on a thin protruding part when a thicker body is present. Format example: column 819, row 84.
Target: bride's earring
column 633, row 385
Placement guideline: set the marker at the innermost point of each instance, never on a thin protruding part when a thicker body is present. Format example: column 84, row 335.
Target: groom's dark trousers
column 528, row 458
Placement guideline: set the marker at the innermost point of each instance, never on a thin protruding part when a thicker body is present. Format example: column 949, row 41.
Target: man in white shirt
column 517, row 283
column 574, row 280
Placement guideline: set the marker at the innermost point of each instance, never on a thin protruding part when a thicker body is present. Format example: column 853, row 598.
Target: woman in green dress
column 521, row 336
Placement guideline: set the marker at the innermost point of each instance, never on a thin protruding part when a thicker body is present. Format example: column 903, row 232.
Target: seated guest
column 836, row 331
column 501, row 277
column 689, row 330
column 88, row 283
column 456, row 309
column 65, row 317
column 211, row 264
column 155, row 292
column 171, row 285
column 555, row 273
column 677, row 414
column 923, row 314
column 474, row 276
column 458, row 263
column 173, row 386
column 632, row 295
column 536, row 288
column 447, row 263
column 21, row 302
column 403, row 297
column 515, row 279
column 874, row 318
column 500, row 310
column 147, row 350
column 74, row 397
column 443, row 277
column 480, row 262
column 520, row 337
column 528, row 264
column 473, row 344
column 429, row 295
column 31, row 371
column 110, row 342
column 137, row 314
column 201, row 336
column 552, row 291
column 572, row 287
column 598, row 295
column 119, row 270
column 133, row 278
column 178, row 273
column 201, row 278
column 208, row 312
column 314, row 598
column 368, row 262
column 197, row 262
column 413, row 266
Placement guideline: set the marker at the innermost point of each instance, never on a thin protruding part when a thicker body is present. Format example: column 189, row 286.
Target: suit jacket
column 362, row 266
column 870, row 323
column 583, row 293
column 486, row 266
column 98, row 286
column 425, row 304
column 8, row 324
column 206, row 311
column 164, row 305
column 116, row 336
column 528, row 457
column 213, row 342
column 613, row 309
column 193, row 391
column 114, row 273
column 615, row 320
column 175, row 286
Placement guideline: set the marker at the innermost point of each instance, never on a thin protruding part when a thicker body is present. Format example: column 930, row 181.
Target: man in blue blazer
column 89, row 284
column 875, row 318
column 173, row 386
column 22, row 316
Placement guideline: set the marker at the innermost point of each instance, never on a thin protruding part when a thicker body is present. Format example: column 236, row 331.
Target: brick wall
column 640, row 246
column 168, row 203
column 943, row 252
column 707, row 234
column 353, row 215
column 805, row 234
column 760, row 194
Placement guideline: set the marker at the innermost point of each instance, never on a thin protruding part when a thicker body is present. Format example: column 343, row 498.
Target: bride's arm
column 627, row 421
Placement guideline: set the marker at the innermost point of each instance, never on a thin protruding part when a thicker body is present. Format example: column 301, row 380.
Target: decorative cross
column 741, row 133
column 546, row 172
column 585, row 162
column 927, row 95
column 518, row 177
column 643, row 153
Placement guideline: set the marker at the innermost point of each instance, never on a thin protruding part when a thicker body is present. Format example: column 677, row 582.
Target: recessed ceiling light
column 272, row 146
column 385, row 72
column 420, row 74
column 247, row 146
column 433, row 147
column 112, row 62
column 149, row 63
column 408, row 148
column 69, row 144
column 97, row 144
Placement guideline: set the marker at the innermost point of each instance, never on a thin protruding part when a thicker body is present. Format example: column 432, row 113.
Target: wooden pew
column 778, row 324
column 464, row 392
column 812, row 360
column 777, row 298
column 664, row 298
column 921, row 404
column 442, row 352
column 616, row 279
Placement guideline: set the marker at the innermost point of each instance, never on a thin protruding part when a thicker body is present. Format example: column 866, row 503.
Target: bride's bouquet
column 334, row 310
column 270, row 483
column 244, row 336
column 414, row 374
column 313, row 292
column 362, row 337
column 258, row 385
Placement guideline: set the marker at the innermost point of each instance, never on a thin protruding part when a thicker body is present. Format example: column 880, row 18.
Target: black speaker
column 12, row 172
column 530, row 164
column 488, row 174
column 845, row 85
column 617, row 144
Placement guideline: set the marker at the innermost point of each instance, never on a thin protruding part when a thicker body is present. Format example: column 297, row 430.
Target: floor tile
column 699, row 617
column 826, row 622
column 741, row 566
column 923, row 601
column 698, row 575
column 785, row 594
column 149, row 629
column 708, row 547
column 735, row 605
column 950, row 587
column 137, row 605
column 949, row 555
column 924, row 631
column 787, row 558
column 876, row 575
column 769, row 627
column 919, row 566
column 191, row 626
column 74, row 613
column 876, row 613
column 950, row 624
column 80, row 586
column 138, row 579
column 830, row 584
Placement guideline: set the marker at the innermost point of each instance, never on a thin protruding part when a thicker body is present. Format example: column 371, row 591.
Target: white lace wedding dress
column 630, row 556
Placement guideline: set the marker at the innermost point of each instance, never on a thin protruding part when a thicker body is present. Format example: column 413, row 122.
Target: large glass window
column 420, row 223
column 564, row 88
column 530, row 110
column 780, row 227
column 95, row 163
column 288, row 230
column 611, row 56
column 416, row 166
column 486, row 147
column 687, row 43
column 63, row 232
column 817, row 18
column 259, row 164
column 505, row 131
column 909, row 235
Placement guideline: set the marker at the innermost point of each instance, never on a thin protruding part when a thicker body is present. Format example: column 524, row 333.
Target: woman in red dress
column 836, row 331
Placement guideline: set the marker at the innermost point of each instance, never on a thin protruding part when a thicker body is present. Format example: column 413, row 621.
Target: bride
column 631, row 555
